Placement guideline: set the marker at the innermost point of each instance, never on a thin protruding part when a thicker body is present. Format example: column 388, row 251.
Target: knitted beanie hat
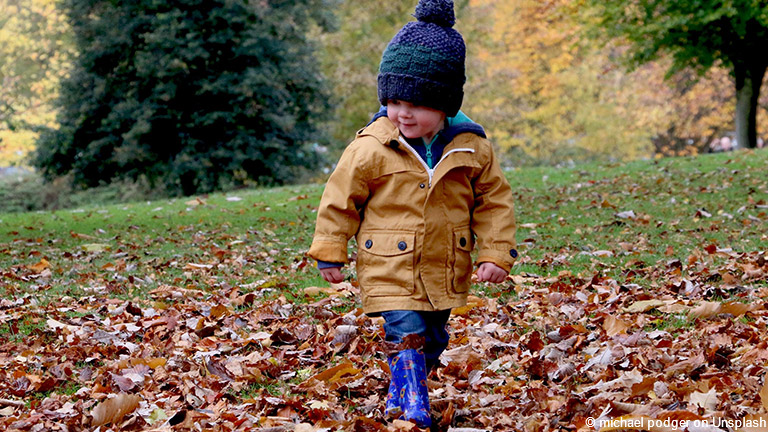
column 424, row 63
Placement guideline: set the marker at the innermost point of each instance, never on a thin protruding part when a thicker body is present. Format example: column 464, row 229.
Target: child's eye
column 394, row 102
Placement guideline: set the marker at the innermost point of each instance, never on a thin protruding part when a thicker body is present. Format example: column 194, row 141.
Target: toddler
column 417, row 187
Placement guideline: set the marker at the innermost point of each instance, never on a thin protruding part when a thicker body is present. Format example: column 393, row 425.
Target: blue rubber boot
column 394, row 407
column 409, row 377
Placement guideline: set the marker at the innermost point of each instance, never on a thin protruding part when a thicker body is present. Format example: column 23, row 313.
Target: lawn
column 640, row 292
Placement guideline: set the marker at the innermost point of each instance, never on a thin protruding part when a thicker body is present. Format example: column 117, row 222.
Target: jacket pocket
column 463, row 243
column 385, row 262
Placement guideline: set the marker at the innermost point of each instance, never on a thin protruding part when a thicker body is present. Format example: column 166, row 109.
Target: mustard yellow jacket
column 415, row 226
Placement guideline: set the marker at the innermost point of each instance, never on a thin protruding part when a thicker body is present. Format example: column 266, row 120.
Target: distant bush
column 29, row 191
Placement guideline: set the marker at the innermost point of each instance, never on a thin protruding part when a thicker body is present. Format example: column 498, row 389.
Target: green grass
column 575, row 209
column 567, row 216
column 673, row 323
column 15, row 330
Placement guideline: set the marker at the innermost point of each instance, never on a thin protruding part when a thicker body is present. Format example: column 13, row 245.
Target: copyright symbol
column 590, row 422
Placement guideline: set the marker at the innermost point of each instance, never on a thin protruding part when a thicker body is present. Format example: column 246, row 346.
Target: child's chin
column 410, row 135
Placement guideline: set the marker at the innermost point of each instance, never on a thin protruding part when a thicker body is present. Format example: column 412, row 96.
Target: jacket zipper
column 431, row 171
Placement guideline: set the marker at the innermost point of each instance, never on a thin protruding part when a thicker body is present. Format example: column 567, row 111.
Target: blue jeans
column 430, row 325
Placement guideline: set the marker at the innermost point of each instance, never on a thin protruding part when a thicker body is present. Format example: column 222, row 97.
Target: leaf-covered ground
column 640, row 296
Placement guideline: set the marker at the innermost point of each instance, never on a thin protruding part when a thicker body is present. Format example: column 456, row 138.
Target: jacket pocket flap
column 464, row 159
column 386, row 243
column 462, row 238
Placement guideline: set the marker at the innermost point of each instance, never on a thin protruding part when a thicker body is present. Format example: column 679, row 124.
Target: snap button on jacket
column 416, row 227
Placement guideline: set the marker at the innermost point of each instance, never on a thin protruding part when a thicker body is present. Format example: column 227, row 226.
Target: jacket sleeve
column 339, row 214
column 493, row 218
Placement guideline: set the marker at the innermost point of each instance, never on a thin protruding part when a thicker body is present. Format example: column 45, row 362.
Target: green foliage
column 191, row 96
column 698, row 35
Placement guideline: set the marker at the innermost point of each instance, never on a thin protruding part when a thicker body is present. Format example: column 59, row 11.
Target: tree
column 698, row 34
column 350, row 59
column 35, row 49
column 544, row 91
column 192, row 95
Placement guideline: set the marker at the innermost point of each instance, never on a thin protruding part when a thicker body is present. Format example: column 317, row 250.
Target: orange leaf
column 337, row 372
column 218, row 311
column 156, row 362
column 40, row 266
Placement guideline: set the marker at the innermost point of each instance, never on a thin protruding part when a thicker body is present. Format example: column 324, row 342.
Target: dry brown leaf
column 737, row 308
column 52, row 323
column 764, row 395
column 195, row 266
column 729, row 279
column 706, row 310
column 686, row 366
column 644, row 305
column 113, row 410
column 195, row 202
column 314, row 291
column 402, row 425
column 707, row 400
column 460, row 354
column 643, row 387
column 219, row 311
column 614, row 326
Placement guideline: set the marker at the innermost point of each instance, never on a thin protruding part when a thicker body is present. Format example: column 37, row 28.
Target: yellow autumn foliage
column 34, row 54
column 546, row 89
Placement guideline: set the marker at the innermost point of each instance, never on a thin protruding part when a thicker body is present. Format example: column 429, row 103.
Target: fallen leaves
column 40, row 266
column 614, row 326
column 633, row 314
column 707, row 401
column 644, row 305
column 114, row 409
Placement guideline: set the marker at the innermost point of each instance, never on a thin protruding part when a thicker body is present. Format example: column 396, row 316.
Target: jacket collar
column 386, row 132
column 383, row 130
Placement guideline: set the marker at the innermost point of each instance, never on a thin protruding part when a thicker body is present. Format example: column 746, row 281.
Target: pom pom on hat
column 439, row 12
column 424, row 63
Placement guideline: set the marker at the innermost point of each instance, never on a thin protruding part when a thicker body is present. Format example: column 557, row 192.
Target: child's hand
column 490, row 272
column 332, row 274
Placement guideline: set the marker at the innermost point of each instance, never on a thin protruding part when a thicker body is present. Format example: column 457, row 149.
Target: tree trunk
column 749, row 79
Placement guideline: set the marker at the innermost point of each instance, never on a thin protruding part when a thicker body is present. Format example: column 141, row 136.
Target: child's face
column 415, row 121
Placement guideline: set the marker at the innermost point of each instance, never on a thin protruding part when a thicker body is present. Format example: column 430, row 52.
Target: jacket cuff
column 329, row 250
column 502, row 258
